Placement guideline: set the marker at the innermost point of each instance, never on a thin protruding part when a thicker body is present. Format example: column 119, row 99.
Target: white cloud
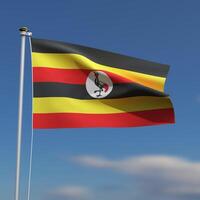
column 163, row 175
column 93, row 161
column 71, row 192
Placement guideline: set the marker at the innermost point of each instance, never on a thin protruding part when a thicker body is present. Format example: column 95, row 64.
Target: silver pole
column 32, row 134
column 23, row 33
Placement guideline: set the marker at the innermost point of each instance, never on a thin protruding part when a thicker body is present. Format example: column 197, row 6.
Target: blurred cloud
column 70, row 192
column 198, row 98
column 157, row 176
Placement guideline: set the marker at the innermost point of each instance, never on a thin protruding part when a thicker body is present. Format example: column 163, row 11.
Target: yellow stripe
column 98, row 106
column 76, row 61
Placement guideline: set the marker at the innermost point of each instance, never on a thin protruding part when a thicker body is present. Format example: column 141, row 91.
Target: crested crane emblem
column 98, row 84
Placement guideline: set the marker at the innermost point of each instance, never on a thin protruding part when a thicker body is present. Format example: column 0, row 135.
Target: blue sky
column 160, row 162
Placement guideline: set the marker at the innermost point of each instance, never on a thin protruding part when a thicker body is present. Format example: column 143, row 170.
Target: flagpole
column 23, row 32
column 32, row 134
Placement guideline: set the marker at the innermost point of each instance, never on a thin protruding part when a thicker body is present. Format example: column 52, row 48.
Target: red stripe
column 70, row 76
column 74, row 120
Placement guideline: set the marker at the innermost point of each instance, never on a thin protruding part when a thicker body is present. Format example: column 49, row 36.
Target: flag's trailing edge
column 77, row 86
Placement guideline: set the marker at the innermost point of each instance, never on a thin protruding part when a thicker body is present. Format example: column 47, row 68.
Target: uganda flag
column 77, row 86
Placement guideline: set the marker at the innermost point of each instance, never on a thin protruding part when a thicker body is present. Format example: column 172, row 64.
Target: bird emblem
column 100, row 84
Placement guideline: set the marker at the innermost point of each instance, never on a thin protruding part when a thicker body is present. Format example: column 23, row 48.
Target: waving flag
column 77, row 86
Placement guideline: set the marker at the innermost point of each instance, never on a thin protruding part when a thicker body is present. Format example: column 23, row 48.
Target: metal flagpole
column 23, row 32
column 32, row 135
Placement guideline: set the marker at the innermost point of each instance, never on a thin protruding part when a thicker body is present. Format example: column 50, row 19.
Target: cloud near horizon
column 157, row 176
column 70, row 192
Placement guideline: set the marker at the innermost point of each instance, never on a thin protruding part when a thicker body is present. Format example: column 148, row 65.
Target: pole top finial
column 23, row 29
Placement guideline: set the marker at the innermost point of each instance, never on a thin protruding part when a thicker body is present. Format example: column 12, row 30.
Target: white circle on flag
column 98, row 84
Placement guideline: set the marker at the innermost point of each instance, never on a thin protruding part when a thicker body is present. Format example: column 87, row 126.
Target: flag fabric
column 77, row 86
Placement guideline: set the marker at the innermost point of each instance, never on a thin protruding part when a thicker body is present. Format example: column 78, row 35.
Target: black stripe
column 101, row 57
column 80, row 92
